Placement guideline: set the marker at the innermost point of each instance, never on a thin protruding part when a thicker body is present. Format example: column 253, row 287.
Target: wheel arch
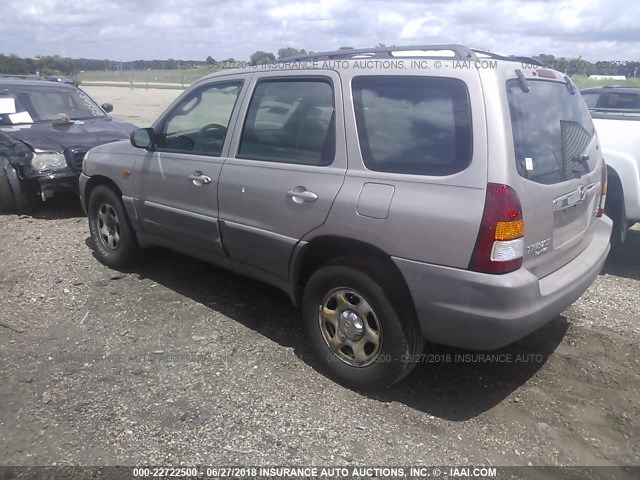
column 96, row 180
column 129, row 206
column 7, row 197
column 613, row 180
column 324, row 249
column 24, row 194
column 623, row 169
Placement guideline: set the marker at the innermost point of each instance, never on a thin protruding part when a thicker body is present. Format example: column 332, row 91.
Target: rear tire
column 114, row 241
column 361, row 323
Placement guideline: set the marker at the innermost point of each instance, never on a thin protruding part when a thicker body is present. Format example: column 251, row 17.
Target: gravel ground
column 177, row 362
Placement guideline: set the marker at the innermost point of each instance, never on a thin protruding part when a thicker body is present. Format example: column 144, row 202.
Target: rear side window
column 551, row 130
column 290, row 121
column 414, row 125
column 622, row 101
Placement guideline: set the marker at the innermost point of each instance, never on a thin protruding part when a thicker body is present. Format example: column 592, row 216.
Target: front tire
column 7, row 200
column 113, row 238
column 16, row 196
column 361, row 323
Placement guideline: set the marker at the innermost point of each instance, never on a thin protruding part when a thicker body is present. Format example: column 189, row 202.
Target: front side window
column 200, row 122
column 290, row 121
column 552, row 128
column 591, row 99
column 414, row 125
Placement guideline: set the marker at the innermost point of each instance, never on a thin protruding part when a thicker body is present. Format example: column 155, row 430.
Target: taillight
column 500, row 244
column 603, row 190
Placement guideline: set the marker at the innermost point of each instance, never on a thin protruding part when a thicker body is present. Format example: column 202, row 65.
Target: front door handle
column 198, row 178
column 301, row 194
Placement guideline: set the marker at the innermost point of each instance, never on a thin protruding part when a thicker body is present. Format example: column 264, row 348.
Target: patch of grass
column 185, row 76
column 582, row 81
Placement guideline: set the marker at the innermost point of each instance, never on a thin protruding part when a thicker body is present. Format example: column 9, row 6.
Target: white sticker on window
column 528, row 164
column 22, row 117
column 7, row 105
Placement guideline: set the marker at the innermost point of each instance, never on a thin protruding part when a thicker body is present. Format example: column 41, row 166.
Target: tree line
column 580, row 66
column 47, row 65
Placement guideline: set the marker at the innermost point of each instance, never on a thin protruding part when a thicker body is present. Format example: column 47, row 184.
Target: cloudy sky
column 194, row 29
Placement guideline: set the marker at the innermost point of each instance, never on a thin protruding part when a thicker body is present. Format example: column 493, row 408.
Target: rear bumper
column 482, row 311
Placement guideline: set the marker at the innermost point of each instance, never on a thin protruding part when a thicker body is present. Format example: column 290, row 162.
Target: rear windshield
column 620, row 101
column 414, row 125
column 551, row 130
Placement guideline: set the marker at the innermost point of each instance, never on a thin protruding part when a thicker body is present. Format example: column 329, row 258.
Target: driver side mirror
column 142, row 138
column 107, row 107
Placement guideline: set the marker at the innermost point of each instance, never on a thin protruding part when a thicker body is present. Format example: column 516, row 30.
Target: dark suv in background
column 612, row 98
column 45, row 130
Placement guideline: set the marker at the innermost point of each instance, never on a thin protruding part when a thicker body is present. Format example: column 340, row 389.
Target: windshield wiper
column 569, row 85
column 88, row 118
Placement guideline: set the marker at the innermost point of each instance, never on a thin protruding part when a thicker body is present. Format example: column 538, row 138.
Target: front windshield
column 20, row 105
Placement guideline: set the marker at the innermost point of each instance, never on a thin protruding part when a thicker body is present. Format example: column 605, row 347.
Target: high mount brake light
column 500, row 243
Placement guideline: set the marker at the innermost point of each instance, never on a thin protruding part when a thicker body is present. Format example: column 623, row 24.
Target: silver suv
column 395, row 194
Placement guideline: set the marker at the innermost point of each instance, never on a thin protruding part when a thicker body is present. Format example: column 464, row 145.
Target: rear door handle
column 198, row 178
column 301, row 194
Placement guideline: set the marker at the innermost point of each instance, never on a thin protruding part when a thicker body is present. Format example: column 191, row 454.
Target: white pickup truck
column 616, row 116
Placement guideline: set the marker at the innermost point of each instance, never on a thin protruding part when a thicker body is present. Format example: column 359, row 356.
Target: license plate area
column 572, row 216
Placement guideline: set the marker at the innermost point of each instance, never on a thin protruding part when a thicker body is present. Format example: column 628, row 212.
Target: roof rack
column 509, row 58
column 460, row 53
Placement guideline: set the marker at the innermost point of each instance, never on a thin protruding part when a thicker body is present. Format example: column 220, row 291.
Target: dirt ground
column 178, row 362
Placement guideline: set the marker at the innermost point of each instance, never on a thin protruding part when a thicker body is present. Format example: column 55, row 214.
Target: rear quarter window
column 413, row 125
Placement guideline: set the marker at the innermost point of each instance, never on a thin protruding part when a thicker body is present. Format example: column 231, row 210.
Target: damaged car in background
column 45, row 130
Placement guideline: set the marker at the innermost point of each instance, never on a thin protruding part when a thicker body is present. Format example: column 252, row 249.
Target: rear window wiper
column 89, row 118
column 570, row 87
column 524, row 85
